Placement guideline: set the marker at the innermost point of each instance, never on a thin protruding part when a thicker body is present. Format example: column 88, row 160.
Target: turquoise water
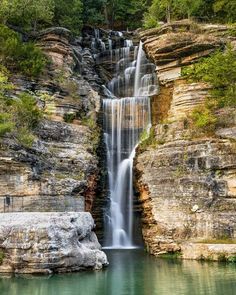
column 131, row 272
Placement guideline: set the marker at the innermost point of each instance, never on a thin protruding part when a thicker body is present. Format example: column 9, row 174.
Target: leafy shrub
column 148, row 139
column 25, row 136
column 69, row 117
column 26, row 111
column 6, row 123
column 220, row 71
column 18, row 56
column 232, row 259
column 19, row 115
column 150, row 21
column 203, row 118
column 2, row 255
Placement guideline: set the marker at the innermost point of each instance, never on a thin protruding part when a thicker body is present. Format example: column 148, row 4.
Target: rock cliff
column 59, row 172
column 48, row 242
column 186, row 181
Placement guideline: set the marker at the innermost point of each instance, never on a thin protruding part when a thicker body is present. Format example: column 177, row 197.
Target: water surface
column 131, row 272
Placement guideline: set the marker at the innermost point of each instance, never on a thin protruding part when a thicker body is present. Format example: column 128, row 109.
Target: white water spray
column 124, row 121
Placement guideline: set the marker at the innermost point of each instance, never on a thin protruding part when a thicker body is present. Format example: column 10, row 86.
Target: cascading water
column 126, row 116
column 124, row 121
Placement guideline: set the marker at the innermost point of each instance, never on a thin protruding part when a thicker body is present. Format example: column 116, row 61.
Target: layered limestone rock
column 48, row 242
column 176, row 45
column 59, row 172
column 186, row 180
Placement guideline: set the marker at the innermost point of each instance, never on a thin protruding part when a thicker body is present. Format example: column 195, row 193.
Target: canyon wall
column 186, row 180
column 59, row 172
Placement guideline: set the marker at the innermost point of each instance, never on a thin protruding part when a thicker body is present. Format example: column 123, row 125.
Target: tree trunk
column 168, row 14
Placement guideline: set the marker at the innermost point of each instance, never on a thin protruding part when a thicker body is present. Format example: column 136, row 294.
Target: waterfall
column 126, row 116
column 124, row 121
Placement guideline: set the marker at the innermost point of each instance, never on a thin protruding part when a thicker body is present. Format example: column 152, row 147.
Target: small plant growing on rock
column 69, row 117
column 148, row 139
column 2, row 256
column 232, row 259
column 203, row 118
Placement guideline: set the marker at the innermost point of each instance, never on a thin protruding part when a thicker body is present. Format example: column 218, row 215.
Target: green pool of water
column 131, row 272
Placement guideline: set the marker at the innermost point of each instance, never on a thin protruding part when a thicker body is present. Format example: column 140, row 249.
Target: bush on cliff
column 220, row 71
column 18, row 56
column 19, row 115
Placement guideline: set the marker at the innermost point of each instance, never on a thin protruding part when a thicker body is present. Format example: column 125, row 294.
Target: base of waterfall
column 121, row 247
column 49, row 243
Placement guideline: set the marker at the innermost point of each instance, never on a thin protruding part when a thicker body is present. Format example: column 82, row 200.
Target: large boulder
column 48, row 242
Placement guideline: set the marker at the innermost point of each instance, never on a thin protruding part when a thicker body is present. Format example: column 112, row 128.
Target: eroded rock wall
column 59, row 172
column 187, row 181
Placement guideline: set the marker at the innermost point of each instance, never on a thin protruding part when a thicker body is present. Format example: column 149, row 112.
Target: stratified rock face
column 55, row 43
column 179, row 44
column 59, row 172
column 187, row 181
column 49, row 242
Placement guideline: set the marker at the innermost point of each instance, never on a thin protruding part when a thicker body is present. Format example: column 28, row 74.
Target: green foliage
column 232, row 259
column 167, row 10
column 114, row 13
column 69, row 117
column 19, row 115
column 68, row 14
column 27, row 14
column 95, row 132
column 156, row 12
column 25, row 136
column 225, row 10
column 93, row 12
column 222, row 240
column 150, row 21
column 6, row 124
column 90, row 122
column 203, row 118
column 170, row 255
column 148, row 139
column 27, row 111
column 187, row 8
column 19, row 56
column 2, row 256
column 220, row 71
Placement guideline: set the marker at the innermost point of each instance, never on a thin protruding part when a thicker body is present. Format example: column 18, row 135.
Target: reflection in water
column 131, row 272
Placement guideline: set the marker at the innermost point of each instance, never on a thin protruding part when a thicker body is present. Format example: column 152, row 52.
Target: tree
column 68, row 14
column 127, row 13
column 94, row 12
column 160, row 10
column 188, row 7
column 27, row 13
column 225, row 10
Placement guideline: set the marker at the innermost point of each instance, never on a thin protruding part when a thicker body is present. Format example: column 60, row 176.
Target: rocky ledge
column 48, row 243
